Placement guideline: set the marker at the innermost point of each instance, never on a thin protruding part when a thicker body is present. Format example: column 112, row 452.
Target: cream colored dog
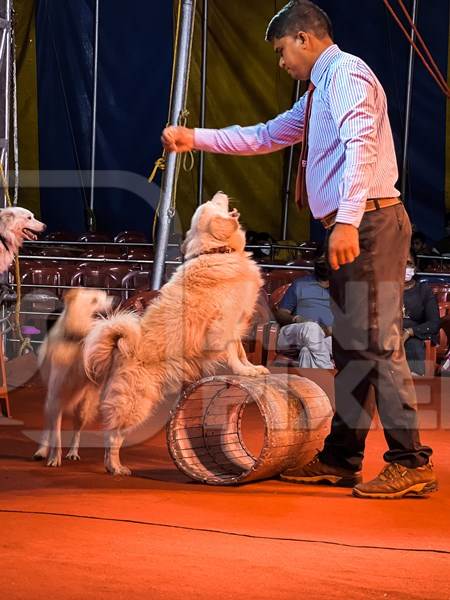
column 195, row 325
column 61, row 362
column 16, row 225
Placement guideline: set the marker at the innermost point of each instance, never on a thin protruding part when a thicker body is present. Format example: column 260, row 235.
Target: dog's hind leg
column 83, row 413
column 78, row 424
column 113, row 442
column 42, row 451
column 54, row 454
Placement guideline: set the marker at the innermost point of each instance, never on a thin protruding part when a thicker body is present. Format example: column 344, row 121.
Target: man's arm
column 284, row 130
column 285, row 317
column 353, row 107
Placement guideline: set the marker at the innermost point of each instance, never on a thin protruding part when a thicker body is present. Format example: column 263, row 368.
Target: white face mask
column 409, row 273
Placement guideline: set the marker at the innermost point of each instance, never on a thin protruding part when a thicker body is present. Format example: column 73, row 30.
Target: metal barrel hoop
column 205, row 437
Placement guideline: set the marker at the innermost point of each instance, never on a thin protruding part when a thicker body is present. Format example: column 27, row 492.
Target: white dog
column 16, row 225
column 61, row 362
column 195, row 325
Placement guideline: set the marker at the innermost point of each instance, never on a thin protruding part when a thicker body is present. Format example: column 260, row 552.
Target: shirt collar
column 323, row 62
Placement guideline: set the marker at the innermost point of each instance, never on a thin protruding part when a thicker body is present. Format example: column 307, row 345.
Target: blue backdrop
column 135, row 59
column 134, row 79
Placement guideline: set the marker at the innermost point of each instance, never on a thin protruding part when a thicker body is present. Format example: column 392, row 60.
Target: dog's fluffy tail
column 120, row 332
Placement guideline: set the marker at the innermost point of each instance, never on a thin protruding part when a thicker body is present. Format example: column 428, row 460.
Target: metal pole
column 409, row 89
column 94, row 115
column 7, row 93
column 169, row 180
column 287, row 188
column 201, row 163
column 15, row 116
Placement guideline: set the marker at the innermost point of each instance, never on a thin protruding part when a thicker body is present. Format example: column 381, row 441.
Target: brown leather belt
column 371, row 204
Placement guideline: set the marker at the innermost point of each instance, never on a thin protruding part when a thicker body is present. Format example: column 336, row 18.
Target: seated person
column 421, row 319
column 306, row 319
column 420, row 245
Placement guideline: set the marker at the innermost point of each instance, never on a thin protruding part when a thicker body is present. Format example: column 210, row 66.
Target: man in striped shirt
column 351, row 172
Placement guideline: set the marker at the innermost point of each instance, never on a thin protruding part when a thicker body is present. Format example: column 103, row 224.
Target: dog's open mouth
column 28, row 234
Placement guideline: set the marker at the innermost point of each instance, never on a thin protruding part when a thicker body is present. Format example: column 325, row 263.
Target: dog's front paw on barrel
column 253, row 371
column 262, row 370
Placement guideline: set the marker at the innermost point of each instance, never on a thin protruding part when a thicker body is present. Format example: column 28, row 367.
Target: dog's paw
column 253, row 371
column 41, row 453
column 54, row 459
column 262, row 370
column 73, row 455
column 118, row 470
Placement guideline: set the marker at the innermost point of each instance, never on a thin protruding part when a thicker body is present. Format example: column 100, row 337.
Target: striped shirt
column 351, row 154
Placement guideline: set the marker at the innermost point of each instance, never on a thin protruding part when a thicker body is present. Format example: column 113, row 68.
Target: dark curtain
column 134, row 78
column 135, row 57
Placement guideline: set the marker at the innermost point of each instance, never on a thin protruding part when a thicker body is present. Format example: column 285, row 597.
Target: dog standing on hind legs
column 61, row 363
column 194, row 326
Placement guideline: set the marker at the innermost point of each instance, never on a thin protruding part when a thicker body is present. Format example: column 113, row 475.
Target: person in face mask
column 421, row 319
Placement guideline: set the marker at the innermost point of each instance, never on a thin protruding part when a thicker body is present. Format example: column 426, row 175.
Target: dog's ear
column 6, row 215
column 222, row 228
column 70, row 296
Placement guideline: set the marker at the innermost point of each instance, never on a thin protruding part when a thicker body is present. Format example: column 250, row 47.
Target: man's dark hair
column 299, row 15
column 418, row 235
column 321, row 268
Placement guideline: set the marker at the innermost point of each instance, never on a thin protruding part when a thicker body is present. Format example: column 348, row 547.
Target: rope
column 25, row 343
column 434, row 69
column 188, row 159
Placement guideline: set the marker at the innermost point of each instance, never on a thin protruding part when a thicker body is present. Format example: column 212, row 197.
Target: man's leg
column 310, row 339
column 367, row 348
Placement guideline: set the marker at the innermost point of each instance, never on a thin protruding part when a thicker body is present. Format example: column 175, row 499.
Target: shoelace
column 392, row 471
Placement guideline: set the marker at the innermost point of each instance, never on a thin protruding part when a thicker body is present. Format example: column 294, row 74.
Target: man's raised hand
column 178, row 139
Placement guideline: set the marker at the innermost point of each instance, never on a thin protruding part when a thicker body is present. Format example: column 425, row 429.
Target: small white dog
column 16, row 225
column 61, row 362
column 195, row 325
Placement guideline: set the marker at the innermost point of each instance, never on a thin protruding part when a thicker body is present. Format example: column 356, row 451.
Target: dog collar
column 219, row 250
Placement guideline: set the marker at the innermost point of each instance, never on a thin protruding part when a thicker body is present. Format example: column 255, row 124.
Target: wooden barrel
column 205, row 437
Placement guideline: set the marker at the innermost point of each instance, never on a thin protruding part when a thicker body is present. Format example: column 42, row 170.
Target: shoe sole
column 418, row 489
column 334, row 480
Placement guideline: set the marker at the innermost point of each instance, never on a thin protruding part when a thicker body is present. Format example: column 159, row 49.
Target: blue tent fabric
column 135, row 61
column 134, row 82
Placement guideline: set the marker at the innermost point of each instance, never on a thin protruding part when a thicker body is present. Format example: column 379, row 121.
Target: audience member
column 420, row 245
column 306, row 319
column 421, row 319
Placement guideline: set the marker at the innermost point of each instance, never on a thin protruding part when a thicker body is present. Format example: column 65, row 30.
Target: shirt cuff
column 350, row 214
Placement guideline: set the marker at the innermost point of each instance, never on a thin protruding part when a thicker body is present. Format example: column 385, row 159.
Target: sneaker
column 318, row 472
column 397, row 481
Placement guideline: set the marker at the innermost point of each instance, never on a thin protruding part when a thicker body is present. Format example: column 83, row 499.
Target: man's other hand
column 343, row 245
column 178, row 139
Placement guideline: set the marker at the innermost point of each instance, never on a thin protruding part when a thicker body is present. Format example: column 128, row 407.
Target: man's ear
column 222, row 228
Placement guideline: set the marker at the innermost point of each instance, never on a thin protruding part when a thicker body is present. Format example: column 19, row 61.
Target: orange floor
column 76, row 532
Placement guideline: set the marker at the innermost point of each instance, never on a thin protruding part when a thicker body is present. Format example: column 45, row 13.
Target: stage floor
column 76, row 532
